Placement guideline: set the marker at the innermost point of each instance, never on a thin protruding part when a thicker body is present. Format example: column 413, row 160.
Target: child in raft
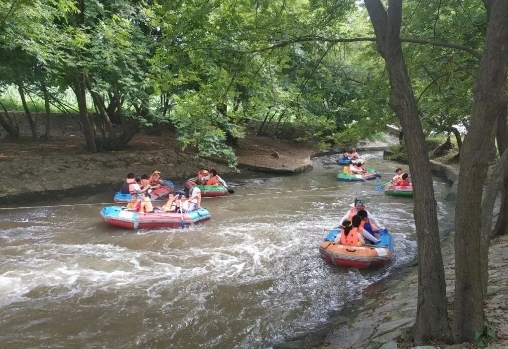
column 350, row 233
column 403, row 181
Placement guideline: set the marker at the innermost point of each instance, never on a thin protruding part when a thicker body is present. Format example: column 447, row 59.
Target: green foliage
column 398, row 153
column 482, row 339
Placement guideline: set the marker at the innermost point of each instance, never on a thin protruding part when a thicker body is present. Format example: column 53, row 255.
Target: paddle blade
column 380, row 187
column 231, row 191
column 182, row 224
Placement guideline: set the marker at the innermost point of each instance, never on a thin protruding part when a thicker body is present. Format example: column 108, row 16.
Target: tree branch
column 309, row 38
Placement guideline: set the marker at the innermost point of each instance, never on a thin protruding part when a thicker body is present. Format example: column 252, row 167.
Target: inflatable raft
column 123, row 218
column 208, row 191
column 343, row 161
column 365, row 256
column 160, row 193
column 398, row 190
column 350, row 177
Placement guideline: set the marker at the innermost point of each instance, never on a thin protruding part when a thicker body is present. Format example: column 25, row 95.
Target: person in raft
column 358, row 206
column 396, row 177
column 145, row 204
column 403, row 181
column 215, row 179
column 353, row 155
column 356, row 168
column 350, row 233
column 370, row 231
column 194, row 195
column 155, row 180
column 133, row 202
column 172, row 204
column 130, row 185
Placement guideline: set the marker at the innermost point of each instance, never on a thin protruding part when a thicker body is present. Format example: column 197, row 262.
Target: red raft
column 123, row 218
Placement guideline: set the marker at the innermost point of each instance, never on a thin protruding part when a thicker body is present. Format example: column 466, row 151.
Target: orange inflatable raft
column 365, row 256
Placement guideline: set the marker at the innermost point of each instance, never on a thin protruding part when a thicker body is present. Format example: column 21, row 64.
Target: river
column 251, row 277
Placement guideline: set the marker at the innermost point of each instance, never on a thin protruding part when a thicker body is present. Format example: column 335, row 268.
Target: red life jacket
column 351, row 238
column 212, row 181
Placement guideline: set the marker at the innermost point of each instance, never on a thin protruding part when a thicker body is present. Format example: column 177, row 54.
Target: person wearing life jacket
column 367, row 228
column 202, row 177
column 145, row 204
column 132, row 204
column 403, row 181
column 155, row 180
column 397, row 176
column 130, row 185
column 215, row 179
column 357, row 206
column 350, row 233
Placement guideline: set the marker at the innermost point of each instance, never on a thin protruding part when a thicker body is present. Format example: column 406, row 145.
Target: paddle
column 380, row 186
column 182, row 223
column 230, row 191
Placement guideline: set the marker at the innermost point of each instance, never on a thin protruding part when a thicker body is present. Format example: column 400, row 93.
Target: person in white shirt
column 194, row 195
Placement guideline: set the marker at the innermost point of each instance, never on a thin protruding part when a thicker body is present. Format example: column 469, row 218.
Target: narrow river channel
column 251, row 277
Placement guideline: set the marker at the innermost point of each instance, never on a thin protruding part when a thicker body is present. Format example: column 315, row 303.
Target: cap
column 204, row 172
column 156, row 172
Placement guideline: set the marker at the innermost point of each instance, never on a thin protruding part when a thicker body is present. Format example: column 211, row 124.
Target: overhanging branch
column 457, row 47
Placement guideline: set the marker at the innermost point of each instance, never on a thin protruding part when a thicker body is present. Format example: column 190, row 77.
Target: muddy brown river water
column 251, row 277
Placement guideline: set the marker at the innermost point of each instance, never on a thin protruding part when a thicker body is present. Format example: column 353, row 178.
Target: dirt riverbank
column 37, row 167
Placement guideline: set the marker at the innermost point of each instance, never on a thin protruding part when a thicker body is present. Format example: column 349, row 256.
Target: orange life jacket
column 351, row 238
column 212, row 181
column 402, row 183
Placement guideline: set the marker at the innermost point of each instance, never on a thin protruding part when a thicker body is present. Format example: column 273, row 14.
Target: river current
column 251, row 277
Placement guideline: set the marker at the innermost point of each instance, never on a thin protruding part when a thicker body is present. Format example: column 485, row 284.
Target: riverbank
column 383, row 317
column 60, row 167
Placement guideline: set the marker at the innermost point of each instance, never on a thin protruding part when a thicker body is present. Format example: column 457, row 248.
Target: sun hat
column 204, row 172
column 156, row 172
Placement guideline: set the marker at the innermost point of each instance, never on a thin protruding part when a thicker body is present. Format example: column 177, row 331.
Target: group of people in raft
column 356, row 165
column 186, row 200
column 358, row 226
column 401, row 179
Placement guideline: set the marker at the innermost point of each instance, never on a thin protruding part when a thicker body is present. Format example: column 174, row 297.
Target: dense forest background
column 341, row 70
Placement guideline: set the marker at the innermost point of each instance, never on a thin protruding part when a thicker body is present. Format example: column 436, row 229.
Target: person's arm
column 374, row 220
column 360, row 238
column 223, row 182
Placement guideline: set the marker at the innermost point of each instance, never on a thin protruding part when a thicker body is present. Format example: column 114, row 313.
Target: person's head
column 145, row 176
column 138, row 180
column 353, row 150
column 356, row 221
column 404, row 176
column 359, row 205
column 156, row 174
column 131, row 175
column 213, row 172
column 346, row 226
column 398, row 171
column 134, row 197
column 363, row 214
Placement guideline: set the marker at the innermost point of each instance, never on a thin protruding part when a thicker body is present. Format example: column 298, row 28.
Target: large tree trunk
column 501, row 227
column 79, row 90
column 431, row 317
column 471, row 251
column 28, row 114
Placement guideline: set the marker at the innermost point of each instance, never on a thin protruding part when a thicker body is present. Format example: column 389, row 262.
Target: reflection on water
column 249, row 278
